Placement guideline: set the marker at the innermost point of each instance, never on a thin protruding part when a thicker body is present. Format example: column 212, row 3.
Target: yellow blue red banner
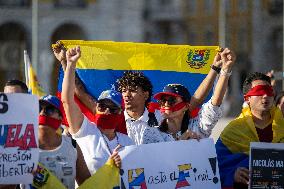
column 103, row 62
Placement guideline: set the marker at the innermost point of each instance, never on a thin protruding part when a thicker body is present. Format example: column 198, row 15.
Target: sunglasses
column 170, row 99
column 102, row 107
column 49, row 110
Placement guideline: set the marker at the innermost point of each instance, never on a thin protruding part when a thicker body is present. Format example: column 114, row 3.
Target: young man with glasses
column 97, row 140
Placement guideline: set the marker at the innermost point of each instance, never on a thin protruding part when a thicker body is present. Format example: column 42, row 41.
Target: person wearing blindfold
column 260, row 121
column 175, row 106
column 98, row 140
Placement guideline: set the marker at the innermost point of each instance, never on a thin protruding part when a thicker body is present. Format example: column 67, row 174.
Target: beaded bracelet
column 224, row 73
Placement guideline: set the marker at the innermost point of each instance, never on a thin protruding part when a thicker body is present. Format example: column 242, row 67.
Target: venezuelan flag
column 44, row 179
column 106, row 177
column 31, row 78
column 103, row 62
column 233, row 145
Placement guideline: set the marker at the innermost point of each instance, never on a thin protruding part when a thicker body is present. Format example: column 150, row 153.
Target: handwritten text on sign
column 181, row 164
column 18, row 137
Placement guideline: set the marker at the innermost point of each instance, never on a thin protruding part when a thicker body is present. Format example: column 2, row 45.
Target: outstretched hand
column 73, row 55
column 115, row 156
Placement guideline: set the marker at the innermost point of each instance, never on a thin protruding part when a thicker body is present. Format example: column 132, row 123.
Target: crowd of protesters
column 87, row 145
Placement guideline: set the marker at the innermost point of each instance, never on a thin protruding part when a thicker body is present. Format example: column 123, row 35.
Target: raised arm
column 204, row 88
column 59, row 52
column 73, row 114
column 228, row 59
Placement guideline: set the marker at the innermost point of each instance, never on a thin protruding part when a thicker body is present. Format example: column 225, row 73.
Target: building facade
column 253, row 30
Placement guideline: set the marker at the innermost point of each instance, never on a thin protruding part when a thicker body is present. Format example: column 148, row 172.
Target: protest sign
column 18, row 137
column 266, row 165
column 179, row 164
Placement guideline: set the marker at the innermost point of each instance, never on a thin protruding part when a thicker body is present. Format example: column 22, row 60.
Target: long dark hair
column 184, row 125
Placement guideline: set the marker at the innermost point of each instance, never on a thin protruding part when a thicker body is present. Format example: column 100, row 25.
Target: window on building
column 275, row 7
column 13, row 42
column 70, row 3
column 15, row 3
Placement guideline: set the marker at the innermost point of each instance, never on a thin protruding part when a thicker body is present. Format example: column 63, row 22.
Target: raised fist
column 73, row 54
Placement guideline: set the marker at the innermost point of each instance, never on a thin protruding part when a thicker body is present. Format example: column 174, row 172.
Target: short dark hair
column 133, row 79
column 252, row 77
column 278, row 97
column 16, row 82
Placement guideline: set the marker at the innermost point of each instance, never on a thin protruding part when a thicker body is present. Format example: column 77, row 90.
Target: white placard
column 19, row 152
column 181, row 164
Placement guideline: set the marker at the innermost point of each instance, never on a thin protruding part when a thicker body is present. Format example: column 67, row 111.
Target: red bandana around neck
column 108, row 121
column 174, row 108
column 260, row 90
column 49, row 121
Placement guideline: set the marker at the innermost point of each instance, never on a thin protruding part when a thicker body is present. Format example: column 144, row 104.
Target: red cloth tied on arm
column 260, row 90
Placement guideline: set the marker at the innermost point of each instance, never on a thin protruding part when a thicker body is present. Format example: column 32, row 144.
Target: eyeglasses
column 170, row 99
column 48, row 110
column 102, row 107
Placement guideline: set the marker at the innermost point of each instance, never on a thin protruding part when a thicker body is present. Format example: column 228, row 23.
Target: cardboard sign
column 266, row 165
column 18, row 137
column 180, row 164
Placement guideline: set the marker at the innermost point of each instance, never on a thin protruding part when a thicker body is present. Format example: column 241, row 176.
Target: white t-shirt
column 136, row 128
column 95, row 146
column 61, row 162
column 202, row 125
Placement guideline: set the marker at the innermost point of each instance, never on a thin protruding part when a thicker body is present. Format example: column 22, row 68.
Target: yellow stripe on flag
column 106, row 177
column 103, row 55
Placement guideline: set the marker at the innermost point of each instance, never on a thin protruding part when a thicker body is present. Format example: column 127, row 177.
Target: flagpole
column 222, row 23
column 26, row 67
column 35, row 33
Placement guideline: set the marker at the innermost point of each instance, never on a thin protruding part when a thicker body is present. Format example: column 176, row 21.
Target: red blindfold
column 174, row 108
column 260, row 90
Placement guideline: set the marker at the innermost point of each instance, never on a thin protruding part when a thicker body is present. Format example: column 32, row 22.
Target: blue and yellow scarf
column 233, row 145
